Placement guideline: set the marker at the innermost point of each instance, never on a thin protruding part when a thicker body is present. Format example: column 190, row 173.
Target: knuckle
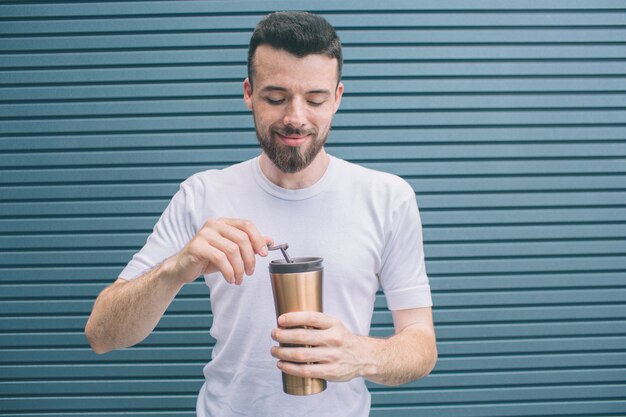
column 300, row 356
column 203, row 233
column 210, row 223
column 300, row 336
column 218, row 258
column 307, row 372
column 240, row 237
column 334, row 339
column 334, row 357
column 231, row 249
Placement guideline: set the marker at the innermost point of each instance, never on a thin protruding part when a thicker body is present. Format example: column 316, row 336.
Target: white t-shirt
column 366, row 226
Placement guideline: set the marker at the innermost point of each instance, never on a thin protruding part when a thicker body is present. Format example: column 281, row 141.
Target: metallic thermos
column 297, row 286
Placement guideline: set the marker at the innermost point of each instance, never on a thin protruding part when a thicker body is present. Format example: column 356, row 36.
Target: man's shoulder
column 369, row 177
column 219, row 175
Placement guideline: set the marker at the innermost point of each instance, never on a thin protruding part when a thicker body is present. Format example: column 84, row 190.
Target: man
column 365, row 225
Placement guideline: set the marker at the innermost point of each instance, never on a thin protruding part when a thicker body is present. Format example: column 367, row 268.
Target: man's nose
column 295, row 114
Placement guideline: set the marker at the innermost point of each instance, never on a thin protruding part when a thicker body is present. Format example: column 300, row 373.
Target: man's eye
column 275, row 102
column 315, row 103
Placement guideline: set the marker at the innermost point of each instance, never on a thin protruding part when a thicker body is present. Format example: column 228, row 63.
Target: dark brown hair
column 299, row 33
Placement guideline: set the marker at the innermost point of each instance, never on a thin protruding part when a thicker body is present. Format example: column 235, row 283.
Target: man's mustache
column 291, row 131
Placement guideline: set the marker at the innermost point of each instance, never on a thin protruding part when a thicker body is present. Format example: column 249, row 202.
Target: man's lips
column 293, row 140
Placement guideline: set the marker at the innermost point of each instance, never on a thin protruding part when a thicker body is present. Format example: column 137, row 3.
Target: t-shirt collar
column 287, row 194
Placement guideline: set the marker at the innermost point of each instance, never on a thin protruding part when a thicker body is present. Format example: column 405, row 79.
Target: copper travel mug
column 297, row 286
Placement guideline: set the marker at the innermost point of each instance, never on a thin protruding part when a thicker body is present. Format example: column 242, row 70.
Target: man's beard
column 290, row 159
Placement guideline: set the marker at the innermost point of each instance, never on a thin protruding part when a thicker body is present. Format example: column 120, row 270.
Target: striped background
column 507, row 117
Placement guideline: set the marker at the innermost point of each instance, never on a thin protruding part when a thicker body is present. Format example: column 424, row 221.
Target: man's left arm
column 338, row 355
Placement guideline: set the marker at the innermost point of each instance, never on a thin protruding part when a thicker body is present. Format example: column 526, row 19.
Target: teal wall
column 507, row 117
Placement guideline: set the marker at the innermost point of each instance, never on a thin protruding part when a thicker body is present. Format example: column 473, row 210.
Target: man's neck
column 298, row 180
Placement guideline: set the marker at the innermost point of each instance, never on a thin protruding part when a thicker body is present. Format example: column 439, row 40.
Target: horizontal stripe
column 353, row 137
column 407, row 18
column 355, row 53
column 348, row 105
column 349, row 37
column 171, row 7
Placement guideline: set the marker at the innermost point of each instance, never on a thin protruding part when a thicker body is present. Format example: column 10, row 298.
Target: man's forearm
column 126, row 312
column 402, row 358
column 339, row 355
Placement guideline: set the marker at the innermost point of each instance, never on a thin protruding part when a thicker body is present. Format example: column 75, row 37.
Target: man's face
column 293, row 103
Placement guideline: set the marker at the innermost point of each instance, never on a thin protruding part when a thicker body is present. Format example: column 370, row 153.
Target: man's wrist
column 167, row 271
column 369, row 356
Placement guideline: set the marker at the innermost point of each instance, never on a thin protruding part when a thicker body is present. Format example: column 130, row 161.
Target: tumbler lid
column 309, row 264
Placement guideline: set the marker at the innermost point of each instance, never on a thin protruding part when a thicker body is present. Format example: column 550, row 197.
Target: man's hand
column 225, row 245
column 331, row 351
column 127, row 311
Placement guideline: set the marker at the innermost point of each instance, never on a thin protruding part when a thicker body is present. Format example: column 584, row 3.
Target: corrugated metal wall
column 507, row 117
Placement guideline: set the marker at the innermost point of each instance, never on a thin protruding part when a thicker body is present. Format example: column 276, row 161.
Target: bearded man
column 364, row 223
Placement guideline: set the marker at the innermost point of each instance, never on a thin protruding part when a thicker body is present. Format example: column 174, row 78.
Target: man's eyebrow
column 269, row 88
column 273, row 88
column 327, row 92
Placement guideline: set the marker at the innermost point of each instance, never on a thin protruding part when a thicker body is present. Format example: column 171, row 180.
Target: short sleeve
column 403, row 275
column 170, row 234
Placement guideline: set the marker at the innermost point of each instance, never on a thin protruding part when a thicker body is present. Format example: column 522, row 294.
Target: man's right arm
column 126, row 312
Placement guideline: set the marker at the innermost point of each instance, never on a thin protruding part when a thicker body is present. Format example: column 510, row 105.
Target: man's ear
column 247, row 93
column 338, row 95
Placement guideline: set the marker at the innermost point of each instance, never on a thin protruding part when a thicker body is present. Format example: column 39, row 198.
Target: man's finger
column 300, row 354
column 258, row 241
column 305, row 370
column 219, row 260
column 244, row 246
column 229, row 250
column 309, row 337
column 306, row 318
